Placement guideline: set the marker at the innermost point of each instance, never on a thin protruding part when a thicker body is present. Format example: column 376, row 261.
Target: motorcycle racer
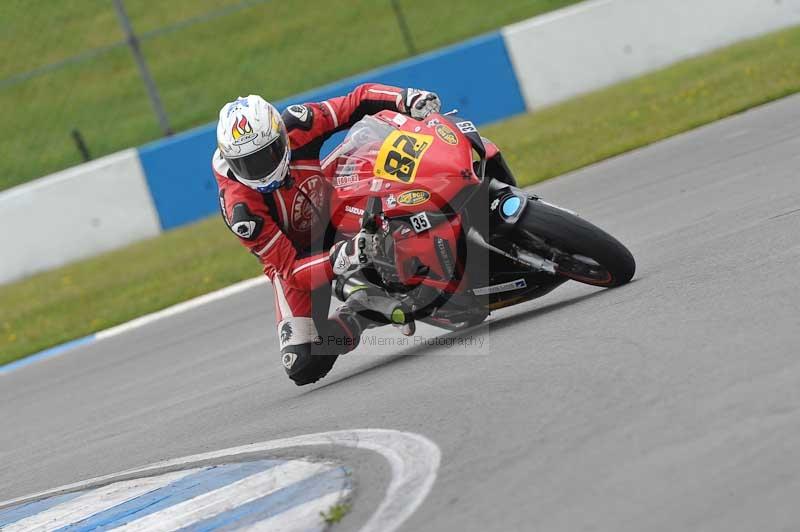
column 273, row 197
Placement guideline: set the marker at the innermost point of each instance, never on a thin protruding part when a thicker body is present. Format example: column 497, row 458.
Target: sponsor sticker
column 375, row 186
column 413, row 197
column 399, row 119
column 345, row 180
column 446, row 134
column 445, row 256
column 497, row 288
column 354, row 210
column 391, row 201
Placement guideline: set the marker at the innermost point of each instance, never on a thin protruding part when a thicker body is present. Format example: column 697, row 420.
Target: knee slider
column 303, row 366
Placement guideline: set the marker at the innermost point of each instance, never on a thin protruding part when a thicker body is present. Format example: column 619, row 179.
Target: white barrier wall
column 73, row 214
column 600, row 42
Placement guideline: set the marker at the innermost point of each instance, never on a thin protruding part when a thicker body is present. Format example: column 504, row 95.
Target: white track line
column 414, row 461
column 72, row 345
column 182, row 307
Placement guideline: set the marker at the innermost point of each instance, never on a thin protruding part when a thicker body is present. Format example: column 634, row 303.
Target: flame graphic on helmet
column 276, row 125
column 241, row 127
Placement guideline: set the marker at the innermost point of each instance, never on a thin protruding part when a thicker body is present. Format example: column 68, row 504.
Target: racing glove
column 352, row 255
column 419, row 104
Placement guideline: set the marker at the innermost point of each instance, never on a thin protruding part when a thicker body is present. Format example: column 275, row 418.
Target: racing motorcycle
column 459, row 238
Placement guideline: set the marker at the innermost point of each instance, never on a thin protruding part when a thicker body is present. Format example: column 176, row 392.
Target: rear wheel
column 579, row 249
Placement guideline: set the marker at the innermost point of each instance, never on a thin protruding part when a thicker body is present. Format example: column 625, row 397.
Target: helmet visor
column 262, row 163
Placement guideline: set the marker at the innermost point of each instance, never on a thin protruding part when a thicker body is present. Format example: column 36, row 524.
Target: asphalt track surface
column 670, row 404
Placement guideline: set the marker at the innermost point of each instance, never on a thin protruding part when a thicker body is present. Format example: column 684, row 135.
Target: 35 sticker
column 420, row 222
column 400, row 156
column 466, row 127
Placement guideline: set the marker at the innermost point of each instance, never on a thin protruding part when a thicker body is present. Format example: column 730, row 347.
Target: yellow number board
column 400, row 156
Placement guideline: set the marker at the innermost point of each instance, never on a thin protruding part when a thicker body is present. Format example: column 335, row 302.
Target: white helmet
column 252, row 139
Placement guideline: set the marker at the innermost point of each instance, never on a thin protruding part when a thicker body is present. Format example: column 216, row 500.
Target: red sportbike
column 460, row 238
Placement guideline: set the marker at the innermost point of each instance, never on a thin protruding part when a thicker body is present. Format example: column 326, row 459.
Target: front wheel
column 579, row 249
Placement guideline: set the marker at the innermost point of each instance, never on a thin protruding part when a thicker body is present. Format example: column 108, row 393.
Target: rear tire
column 576, row 237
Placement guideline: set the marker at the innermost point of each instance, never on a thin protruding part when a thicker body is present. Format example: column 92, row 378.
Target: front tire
column 581, row 251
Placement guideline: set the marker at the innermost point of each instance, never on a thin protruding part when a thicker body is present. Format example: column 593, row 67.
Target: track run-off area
column 672, row 403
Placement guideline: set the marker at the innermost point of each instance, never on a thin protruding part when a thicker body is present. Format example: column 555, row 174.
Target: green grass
column 335, row 513
column 95, row 294
column 272, row 48
column 71, row 302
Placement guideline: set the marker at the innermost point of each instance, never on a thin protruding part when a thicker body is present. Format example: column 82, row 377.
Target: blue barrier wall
column 475, row 77
column 178, row 173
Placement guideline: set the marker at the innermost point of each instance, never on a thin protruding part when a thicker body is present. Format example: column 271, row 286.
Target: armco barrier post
column 403, row 25
column 152, row 90
column 81, row 145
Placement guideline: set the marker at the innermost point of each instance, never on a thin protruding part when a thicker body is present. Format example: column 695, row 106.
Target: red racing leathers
column 286, row 229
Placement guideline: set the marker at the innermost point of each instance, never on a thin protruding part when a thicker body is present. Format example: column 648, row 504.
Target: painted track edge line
column 50, row 352
column 178, row 308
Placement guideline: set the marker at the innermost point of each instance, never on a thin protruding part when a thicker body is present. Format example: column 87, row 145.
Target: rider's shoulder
column 299, row 116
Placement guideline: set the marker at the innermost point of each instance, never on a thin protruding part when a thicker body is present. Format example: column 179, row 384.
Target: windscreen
column 361, row 145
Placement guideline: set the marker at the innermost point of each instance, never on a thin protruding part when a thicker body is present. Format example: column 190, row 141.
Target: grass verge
column 628, row 115
column 91, row 295
column 71, row 302
column 243, row 47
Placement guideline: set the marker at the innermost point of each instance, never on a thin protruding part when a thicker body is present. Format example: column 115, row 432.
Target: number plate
column 420, row 222
column 400, row 156
column 466, row 127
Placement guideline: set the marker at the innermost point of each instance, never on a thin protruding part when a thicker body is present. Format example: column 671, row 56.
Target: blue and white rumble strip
column 262, row 494
column 240, row 488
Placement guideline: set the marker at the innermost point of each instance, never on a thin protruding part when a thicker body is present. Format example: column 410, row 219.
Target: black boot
column 372, row 307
